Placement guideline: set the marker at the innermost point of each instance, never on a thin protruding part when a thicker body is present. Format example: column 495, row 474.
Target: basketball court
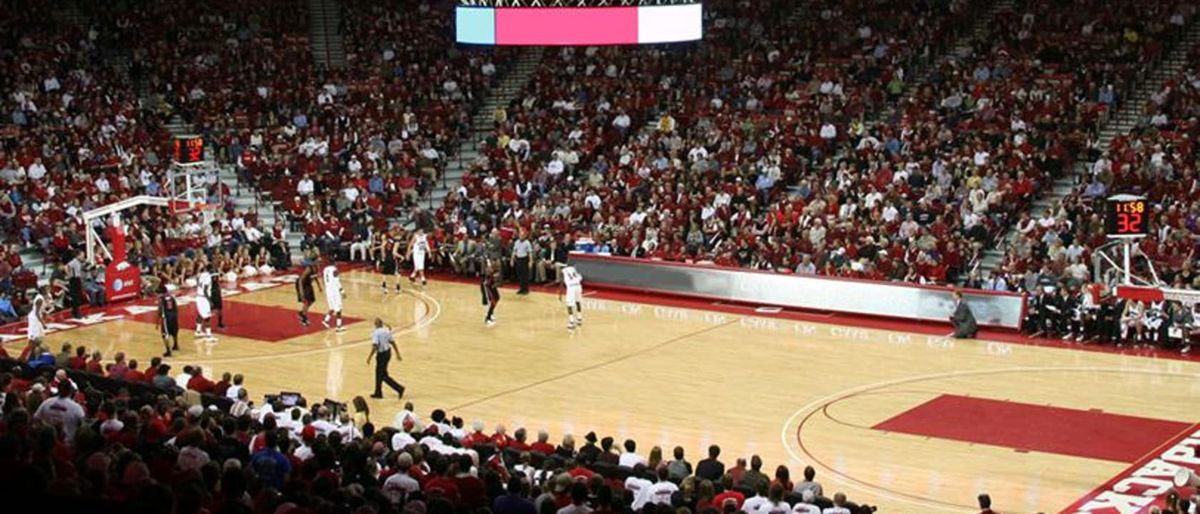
column 917, row 423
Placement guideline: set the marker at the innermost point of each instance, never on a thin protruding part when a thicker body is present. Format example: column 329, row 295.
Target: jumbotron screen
column 578, row 22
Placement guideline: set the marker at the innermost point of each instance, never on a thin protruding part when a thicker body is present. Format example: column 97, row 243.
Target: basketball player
column 305, row 294
column 385, row 262
column 215, row 296
column 490, row 293
column 333, row 295
column 418, row 250
column 36, row 330
column 393, row 251
column 168, row 319
column 204, row 283
column 573, row 296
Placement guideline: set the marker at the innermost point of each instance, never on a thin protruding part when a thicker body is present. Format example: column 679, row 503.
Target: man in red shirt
column 134, row 374
column 730, row 495
column 442, row 484
column 198, row 382
column 475, row 437
column 542, row 445
column 79, row 361
column 94, row 365
column 518, row 443
column 501, row 439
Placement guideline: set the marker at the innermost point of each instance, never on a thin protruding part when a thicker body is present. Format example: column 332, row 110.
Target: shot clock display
column 187, row 149
column 1127, row 216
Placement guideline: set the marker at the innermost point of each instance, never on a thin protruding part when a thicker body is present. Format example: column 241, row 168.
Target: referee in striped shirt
column 383, row 345
column 522, row 261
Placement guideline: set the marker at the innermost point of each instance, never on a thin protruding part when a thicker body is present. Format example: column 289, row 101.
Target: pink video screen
column 502, row 23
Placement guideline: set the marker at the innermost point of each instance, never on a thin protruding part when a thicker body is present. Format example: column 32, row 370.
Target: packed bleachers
column 80, row 428
column 750, row 161
column 1055, row 248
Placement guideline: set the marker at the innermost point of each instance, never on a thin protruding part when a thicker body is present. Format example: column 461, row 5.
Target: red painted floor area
column 1027, row 427
column 265, row 323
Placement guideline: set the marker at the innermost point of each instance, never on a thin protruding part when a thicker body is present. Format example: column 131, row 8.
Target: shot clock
column 187, row 149
column 1127, row 216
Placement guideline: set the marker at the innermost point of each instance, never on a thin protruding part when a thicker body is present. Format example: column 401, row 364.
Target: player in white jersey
column 38, row 309
column 573, row 296
column 204, row 282
column 333, row 295
column 418, row 249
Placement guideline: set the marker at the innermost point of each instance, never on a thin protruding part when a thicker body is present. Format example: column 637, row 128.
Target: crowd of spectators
column 748, row 153
column 115, row 435
column 1053, row 254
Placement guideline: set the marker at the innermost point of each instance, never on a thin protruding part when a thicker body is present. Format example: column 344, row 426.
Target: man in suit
column 963, row 319
column 711, row 469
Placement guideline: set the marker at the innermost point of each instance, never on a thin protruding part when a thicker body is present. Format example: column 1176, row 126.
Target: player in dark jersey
column 305, row 294
column 490, row 292
column 168, row 320
column 214, row 296
column 387, row 260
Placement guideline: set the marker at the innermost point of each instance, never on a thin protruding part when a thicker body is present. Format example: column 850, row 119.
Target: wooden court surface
column 793, row 392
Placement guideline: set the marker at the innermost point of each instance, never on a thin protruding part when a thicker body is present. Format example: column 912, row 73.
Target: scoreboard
column 1126, row 216
column 187, row 149
column 578, row 22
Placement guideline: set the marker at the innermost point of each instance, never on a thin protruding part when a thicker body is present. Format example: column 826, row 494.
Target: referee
column 522, row 261
column 383, row 344
column 75, row 270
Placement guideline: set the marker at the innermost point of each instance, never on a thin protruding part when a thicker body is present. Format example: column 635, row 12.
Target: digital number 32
column 1129, row 222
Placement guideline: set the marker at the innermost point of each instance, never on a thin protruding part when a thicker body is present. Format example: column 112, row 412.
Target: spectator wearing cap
column 590, row 451
column 308, row 436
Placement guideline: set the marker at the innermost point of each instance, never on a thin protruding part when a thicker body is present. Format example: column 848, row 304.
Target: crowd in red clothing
column 1157, row 160
column 772, row 161
column 80, row 431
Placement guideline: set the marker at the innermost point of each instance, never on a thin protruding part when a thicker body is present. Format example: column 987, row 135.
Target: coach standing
column 522, row 261
column 75, row 270
column 383, row 344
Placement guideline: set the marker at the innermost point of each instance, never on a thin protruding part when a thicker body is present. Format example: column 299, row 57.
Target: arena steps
column 482, row 121
column 325, row 37
column 1125, row 118
column 961, row 49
